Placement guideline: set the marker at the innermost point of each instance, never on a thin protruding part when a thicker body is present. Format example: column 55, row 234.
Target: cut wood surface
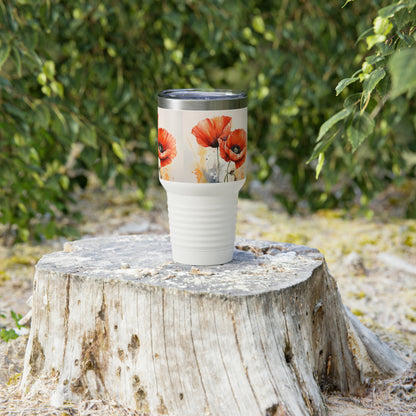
column 263, row 335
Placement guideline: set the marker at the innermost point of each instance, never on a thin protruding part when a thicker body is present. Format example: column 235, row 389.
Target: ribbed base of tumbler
column 202, row 220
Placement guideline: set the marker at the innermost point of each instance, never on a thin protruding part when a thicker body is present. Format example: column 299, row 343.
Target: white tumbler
column 202, row 148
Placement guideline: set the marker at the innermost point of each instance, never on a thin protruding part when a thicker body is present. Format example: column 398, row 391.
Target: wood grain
column 262, row 335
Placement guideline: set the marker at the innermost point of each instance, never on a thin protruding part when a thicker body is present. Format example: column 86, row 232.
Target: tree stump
column 262, row 335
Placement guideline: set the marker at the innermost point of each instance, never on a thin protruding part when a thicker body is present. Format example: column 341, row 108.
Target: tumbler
column 202, row 149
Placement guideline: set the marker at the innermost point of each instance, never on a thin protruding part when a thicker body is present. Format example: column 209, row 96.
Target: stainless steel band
column 194, row 99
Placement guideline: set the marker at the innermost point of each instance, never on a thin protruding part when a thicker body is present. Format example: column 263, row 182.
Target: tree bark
column 262, row 335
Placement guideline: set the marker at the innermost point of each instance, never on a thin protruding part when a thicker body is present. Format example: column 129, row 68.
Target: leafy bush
column 79, row 79
column 7, row 334
column 70, row 106
column 378, row 124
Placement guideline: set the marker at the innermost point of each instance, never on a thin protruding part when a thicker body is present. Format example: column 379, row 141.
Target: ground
column 372, row 259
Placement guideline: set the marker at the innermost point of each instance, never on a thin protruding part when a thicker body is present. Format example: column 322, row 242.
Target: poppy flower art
column 166, row 147
column 230, row 145
column 235, row 147
column 209, row 131
column 202, row 136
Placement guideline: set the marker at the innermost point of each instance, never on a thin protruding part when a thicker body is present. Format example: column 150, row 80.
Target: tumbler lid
column 195, row 99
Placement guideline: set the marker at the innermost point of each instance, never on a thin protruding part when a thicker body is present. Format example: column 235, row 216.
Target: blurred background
column 78, row 97
column 331, row 130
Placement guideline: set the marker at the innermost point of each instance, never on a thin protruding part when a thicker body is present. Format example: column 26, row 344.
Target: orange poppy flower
column 234, row 149
column 166, row 147
column 210, row 130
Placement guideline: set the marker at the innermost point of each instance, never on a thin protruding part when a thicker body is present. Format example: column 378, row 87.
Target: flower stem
column 228, row 173
column 218, row 164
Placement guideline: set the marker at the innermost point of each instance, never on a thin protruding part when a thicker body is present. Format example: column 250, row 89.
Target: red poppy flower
column 210, row 130
column 234, row 149
column 166, row 147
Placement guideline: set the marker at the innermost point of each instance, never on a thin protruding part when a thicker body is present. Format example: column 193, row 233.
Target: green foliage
column 8, row 334
column 71, row 97
column 78, row 86
column 377, row 124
